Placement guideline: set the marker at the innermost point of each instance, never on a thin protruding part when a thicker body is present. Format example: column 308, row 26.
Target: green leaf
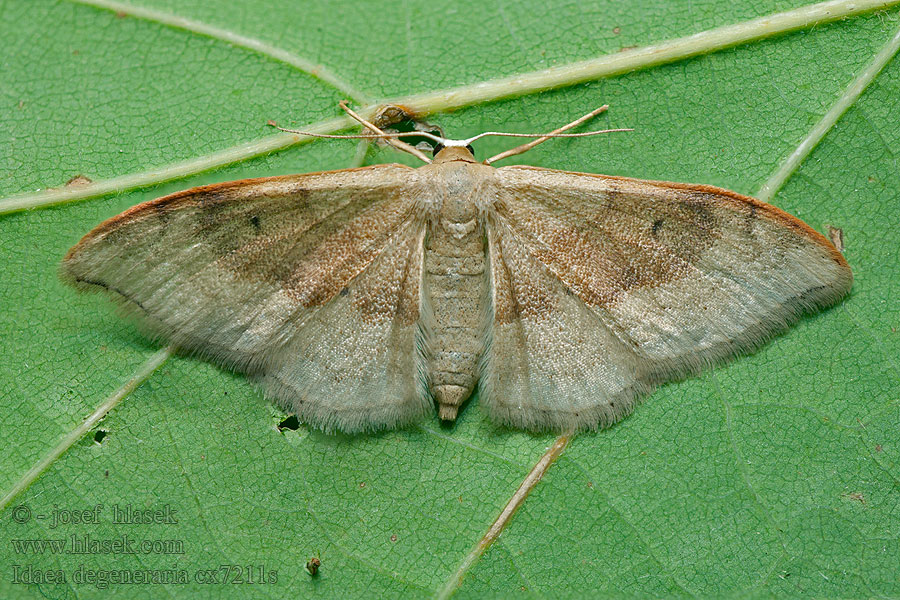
column 778, row 474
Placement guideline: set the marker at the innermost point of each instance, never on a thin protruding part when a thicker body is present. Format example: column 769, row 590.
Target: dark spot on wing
column 612, row 196
column 211, row 208
column 254, row 220
column 161, row 211
column 749, row 218
column 690, row 230
column 696, row 210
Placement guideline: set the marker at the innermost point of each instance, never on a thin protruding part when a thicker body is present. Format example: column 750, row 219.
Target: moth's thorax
column 457, row 212
column 455, row 282
column 458, row 185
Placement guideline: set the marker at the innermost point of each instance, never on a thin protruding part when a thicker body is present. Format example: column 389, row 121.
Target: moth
column 360, row 298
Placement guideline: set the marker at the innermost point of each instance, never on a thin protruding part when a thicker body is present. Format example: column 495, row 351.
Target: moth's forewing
column 605, row 287
column 307, row 282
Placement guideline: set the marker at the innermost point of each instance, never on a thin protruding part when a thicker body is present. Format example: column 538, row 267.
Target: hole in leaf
column 99, row 435
column 413, row 140
column 291, row 423
column 398, row 119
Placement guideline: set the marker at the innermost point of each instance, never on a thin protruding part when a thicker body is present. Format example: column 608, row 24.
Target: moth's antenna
column 543, row 137
column 390, row 138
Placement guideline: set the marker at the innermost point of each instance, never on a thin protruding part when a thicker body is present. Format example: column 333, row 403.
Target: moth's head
column 460, row 151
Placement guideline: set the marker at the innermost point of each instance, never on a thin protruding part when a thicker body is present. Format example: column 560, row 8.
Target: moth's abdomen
column 456, row 285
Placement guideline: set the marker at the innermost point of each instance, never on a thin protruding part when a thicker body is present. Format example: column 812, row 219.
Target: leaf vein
column 320, row 72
